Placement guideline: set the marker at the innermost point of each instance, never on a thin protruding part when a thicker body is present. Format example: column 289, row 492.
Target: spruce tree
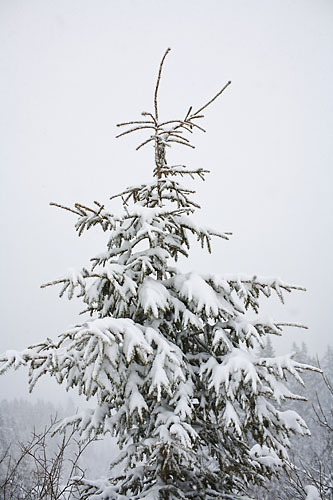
column 170, row 357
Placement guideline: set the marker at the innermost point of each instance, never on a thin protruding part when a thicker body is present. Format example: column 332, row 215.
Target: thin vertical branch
column 159, row 145
column 158, row 83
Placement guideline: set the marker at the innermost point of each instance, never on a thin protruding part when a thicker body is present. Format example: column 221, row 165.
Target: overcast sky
column 71, row 69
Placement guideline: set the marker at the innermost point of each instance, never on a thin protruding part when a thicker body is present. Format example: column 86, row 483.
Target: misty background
column 71, row 70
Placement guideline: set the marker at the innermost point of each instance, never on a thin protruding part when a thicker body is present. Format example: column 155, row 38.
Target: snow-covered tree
column 309, row 472
column 312, row 459
column 170, row 357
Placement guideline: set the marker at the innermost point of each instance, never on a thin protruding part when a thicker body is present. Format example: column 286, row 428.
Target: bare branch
column 144, row 143
column 294, row 325
column 83, row 207
column 134, row 129
column 55, row 282
column 145, row 113
column 138, row 122
column 182, row 142
column 212, row 100
column 158, row 82
column 53, row 204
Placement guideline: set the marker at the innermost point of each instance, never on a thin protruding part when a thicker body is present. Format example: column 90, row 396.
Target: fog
column 70, row 71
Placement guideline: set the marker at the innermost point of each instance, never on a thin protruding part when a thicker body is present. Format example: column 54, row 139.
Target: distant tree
column 18, row 418
column 326, row 363
column 169, row 356
column 30, row 455
column 39, row 471
column 267, row 349
column 309, row 473
column 313, row 458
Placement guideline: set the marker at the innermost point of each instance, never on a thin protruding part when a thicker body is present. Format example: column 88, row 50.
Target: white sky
column 71, row 69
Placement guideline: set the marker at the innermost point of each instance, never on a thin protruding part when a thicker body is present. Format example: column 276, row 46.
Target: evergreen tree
column 326, row 363
column 267, row 349
column 169, row 356
column 311, row 459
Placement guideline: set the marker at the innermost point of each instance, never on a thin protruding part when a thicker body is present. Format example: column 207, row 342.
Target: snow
column 153, row 296
column 265, row 456
column 237, row 368
column 312, row 493
column 193, row 288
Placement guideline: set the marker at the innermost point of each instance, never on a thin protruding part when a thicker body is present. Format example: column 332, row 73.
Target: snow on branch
column 170, row 358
